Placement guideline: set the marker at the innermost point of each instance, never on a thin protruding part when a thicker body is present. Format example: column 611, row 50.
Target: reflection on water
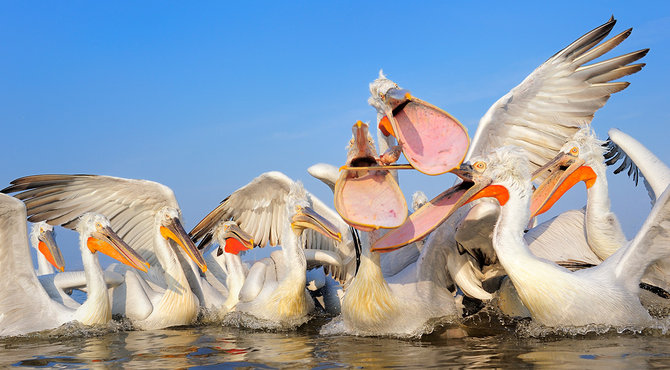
column 304, row 347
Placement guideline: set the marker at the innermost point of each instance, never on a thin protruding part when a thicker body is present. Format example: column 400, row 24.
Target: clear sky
column 204, row 96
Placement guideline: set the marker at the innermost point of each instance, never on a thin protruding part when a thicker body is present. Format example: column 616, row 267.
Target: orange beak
column 432, row 214
column 106, row 241
column 385, row 127
column 48, row 247
column 433, row 141
column 236, row 239
column 565, row 172
column 174, row 230
column 306, row 217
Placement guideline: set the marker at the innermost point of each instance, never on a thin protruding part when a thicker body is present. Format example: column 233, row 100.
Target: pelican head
column 573, row 163
column 385, row 94
column 366, row 194
column 361, row 149
column 493, row 176
column 419, row 198
column 100, row 237
column 171, row 228
column 306, row 218
column 231, row 238
column 42, row 239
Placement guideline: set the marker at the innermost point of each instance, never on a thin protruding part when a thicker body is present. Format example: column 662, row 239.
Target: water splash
column 533, row 329
column 75, row 329
column 443, row 326
column 245, row 320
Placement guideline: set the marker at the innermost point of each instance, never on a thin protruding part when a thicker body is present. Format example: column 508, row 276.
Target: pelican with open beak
column 367, row 195
column 433, row 213
column 432, row 140
column 555, row 296
column 236, row 240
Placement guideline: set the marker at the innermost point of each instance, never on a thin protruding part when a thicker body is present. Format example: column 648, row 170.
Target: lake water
column 489, row 344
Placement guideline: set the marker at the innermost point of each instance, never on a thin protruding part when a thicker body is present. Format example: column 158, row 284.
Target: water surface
column 215, row 345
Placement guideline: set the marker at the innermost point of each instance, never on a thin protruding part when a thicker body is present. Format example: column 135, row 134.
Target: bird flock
column 368, row 263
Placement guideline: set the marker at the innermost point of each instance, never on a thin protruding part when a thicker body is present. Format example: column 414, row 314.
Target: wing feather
column 261, row 208
column 558, row 98
column 130, row 205
column 638, row 160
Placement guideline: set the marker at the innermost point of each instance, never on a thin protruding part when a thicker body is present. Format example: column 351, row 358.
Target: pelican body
column 24, row 304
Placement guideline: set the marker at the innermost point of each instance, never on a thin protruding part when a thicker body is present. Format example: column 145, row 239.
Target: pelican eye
column 479, row 166
column 574, row 150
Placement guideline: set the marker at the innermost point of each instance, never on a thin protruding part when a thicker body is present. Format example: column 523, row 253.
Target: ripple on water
column 494, row 341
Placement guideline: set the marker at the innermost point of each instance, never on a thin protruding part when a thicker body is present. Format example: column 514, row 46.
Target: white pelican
column 594, row 234
column 57, row 284
column 225, row 270
column 539, row 115
column 48, row 253
column 24, row 304
column 147, row 215
column 391, row 263
column 555, row 296
column 404, row 304
column 274, row 209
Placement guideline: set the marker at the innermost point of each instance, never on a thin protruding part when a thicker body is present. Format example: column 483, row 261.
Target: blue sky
column 204, row 97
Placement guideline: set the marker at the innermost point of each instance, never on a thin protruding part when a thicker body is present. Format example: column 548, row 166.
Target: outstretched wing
column 130, row 205
column 651, row 244
column 24, row 304
column 638, row 160
column 558, row 98
column 259, row 208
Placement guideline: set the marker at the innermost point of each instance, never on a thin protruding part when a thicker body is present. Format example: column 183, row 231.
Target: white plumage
column 24, row 304
column 138, row 210
column 555, row 296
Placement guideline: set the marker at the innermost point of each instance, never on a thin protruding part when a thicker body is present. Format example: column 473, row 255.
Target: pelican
column 606, row 294
column 24, row 304
column 595, row 234
column 391, row 263
column 48, row 253
column 48, row 256
column 409, row 302
column 226, row 272
column 274, row 209
column 147, row 215
column 539, row 115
